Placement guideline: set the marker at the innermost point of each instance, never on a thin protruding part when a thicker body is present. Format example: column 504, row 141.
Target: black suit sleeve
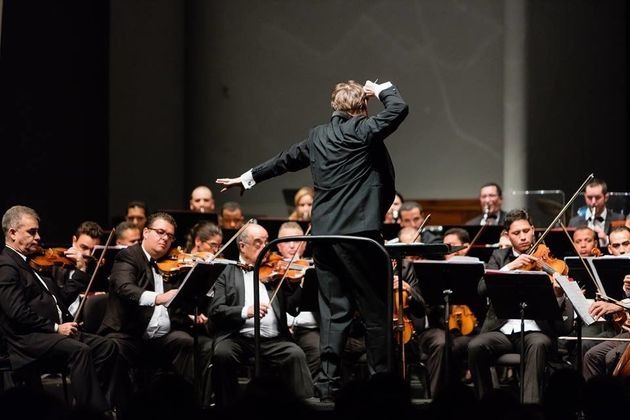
column 224, row 314
column 123, row 278
column 13, row 303
column 293, row 159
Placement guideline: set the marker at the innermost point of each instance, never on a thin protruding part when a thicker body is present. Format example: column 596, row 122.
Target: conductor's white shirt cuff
column 379, row 88
column 248, row 180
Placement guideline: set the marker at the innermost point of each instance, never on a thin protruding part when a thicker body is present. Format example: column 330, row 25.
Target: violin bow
column 557, row 218
column 475, row 238
column 98, row 265
column 275, row 292
column 419, row 233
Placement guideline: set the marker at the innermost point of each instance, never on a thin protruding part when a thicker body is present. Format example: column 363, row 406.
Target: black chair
column 93, row 312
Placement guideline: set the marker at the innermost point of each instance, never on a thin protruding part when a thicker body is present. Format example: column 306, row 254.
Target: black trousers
column 91, row 360
column 352, row 276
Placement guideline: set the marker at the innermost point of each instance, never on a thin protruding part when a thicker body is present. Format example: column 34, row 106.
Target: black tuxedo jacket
column 351, row 168
column 228, row 300
column 500, row 258
column 499, row 221
column 28, row 311
column 130, row 277
column 580, row 221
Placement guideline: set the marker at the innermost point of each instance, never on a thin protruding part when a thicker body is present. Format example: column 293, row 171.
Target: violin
column 462, row 318
column 276, row 267
column 177, row 261
column 407, row 325
column 546, row 262
column 45, row 259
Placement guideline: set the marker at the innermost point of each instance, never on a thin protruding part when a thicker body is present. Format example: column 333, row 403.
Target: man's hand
column 69, row 329
column 626, row 284
column 230, row 183
column 263, row 310
column 523, row 262
column 76, row 255
column 600, row 308
column 163, row 298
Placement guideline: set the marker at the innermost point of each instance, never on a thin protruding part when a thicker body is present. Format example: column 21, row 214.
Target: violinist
column 499, row 336
column 204, row 236
column 35, row 322
column 136, row 316
column 86, row 237
column 429, row 324
column 585, row 241
column 304, row 327
column 411, row 215
column 232, row 312
column 602, row 358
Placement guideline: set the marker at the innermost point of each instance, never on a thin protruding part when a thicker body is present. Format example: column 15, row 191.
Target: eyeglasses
column 213, row 245
column 162, row 233
column 618, row 244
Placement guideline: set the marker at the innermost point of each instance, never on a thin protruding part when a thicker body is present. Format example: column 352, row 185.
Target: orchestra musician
column 585, row 241
column 231, row 216
column 411, row 215
column 393, row 213
column 137, row 213
column 201, row 200
column 35, row 322
column 597, row 216
column 602, row 358
column 305, row 326
column 136, row 318
column 232, row 313
column 205, row 236
column 499, row 336
column 303, row 202
column 86, row 237
column 428, row 324
column 353, row 178
column 127, row 233
column 491, row 200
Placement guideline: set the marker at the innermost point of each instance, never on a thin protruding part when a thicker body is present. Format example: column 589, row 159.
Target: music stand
column 450, row 282
column 610, row 270
column 522, row 295
column 398, row 251
column 191, row 292
column 578, row 272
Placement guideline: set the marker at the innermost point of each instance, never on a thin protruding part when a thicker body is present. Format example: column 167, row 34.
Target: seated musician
column 490, row 199
column 35, row 322
column 393, row 213
column 136, row 318
column 602, row 358
column 232, row 312
column 136, row 213
column 201, row 200
column 303, row 202
column 304, row 327
column 585, row 242
column 500, row 336
column 411, row 215
column 205, row 236
column 231, row 216
column 597, row 216
column 428, row 323
column 86, row 237
column 127, row 233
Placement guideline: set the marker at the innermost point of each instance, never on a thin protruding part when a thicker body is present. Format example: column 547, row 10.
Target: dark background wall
column 171, row 94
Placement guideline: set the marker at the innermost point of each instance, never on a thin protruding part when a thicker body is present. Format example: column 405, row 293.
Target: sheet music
column 575, row 295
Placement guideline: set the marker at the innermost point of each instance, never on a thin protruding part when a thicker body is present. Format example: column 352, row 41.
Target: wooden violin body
column 48, row 258
column 462, row 318
column 276, row 267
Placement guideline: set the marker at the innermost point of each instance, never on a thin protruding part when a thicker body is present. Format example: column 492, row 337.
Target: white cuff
column 56, row 328
column 147, row 298
column 379, row 88
column 244, row 312
column 248, row 180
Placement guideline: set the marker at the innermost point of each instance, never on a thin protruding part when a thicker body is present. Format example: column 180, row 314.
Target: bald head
column 201, row 200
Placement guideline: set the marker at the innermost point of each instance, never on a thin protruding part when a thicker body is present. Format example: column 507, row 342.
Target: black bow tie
column 493, row 216
column 598, row 219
